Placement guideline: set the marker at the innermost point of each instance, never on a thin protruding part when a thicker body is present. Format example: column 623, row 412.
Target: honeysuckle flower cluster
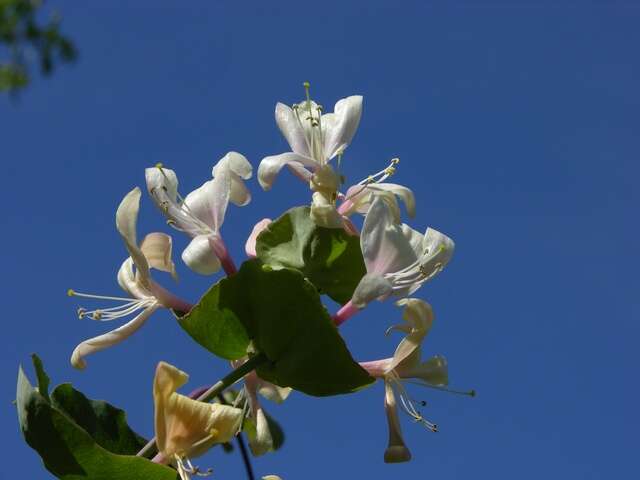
column 397, row 260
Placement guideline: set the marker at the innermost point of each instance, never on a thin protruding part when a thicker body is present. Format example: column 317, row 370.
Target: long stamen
column 408, row 404
column 128, row 306
column 468, row 393
column 181, row 216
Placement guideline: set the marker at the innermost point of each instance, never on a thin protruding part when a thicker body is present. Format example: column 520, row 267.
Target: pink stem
column 347, row 311
column 168, row 299
column 377, row 368
column 220, row 249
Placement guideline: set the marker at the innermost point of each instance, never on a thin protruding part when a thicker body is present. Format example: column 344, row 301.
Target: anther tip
column 71, row 292
column 159, row 165
column 306, row 85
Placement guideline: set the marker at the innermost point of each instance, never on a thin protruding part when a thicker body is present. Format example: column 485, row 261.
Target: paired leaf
column 68, row 450
column 329, row 257
column 217, row 329
column 284, row 317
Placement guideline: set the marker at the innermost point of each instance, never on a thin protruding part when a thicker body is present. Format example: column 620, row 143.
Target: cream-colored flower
column 406, row 365
column 187, row 428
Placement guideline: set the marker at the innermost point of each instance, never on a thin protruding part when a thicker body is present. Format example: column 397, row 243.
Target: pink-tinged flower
column 398, row 259
column 406, row 365
column 315, row 139
column 201, row 214
column 186, row 428
column 258, row 433
column 134, row 277
column 250, row 245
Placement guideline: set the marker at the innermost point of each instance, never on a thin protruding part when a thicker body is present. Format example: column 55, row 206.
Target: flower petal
column 126, row 219
column 261, row 442
column 324, row 213
column 433, row 371
column 371, row 287
column 208, row 203
column 250, row 245
column 384, row 246
column 340, row 127
column 396, row 451
column 129, row 281
column 157, row 248
column 238, row 168
column 270, row 166
column 400, row 191
column 199, row 256
column 273, row 392
column 291, row 129
column 419, row 317
column 110, row 338
column 184, row 426
column 437, row 252
column 162, row 179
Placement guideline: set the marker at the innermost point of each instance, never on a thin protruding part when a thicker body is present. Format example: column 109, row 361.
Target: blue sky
column 517, row 128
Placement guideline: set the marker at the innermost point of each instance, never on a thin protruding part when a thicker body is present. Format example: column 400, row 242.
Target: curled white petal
column 250, row 245
column 110, row 338
column 270, row 166
column 418, row 316
column 340, row 127
column 126, row 220
column 199, row 256
column 238, row 168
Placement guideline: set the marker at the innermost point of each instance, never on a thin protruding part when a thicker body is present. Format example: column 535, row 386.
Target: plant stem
column 149, row 450
column 243, row 448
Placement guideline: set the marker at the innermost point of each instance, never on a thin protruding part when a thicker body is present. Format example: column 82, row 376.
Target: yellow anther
column 395, row 161
column 71, row 292
column 159, row 165
column 214, row 433
column 81, row 312
column 306, row 85
column 390, row 170
column 97, row 315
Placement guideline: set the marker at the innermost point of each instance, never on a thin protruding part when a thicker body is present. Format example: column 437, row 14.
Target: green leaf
column 284, row 317
column 329, row 257
column 106, row 424
column 43, row 378
column 68, row 451
column 216, row 328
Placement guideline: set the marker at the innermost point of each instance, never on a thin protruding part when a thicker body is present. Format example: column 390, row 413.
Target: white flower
column 146, row 296
column 200, row 215
column 404, row 365
column 315, row 139
column 398, row 259
column 186, row 428
column 259, row 434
